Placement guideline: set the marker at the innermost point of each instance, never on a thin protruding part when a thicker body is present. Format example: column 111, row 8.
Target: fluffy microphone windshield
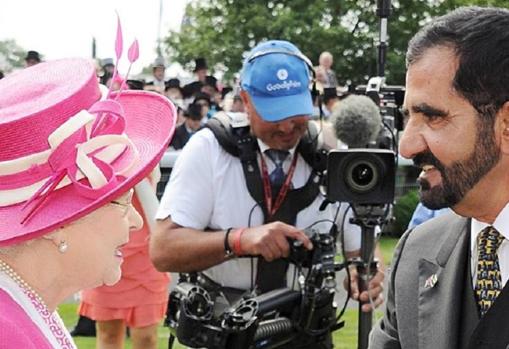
column 356, row 121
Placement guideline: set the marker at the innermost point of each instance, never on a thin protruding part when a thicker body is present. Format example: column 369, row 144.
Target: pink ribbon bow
column 75, row 155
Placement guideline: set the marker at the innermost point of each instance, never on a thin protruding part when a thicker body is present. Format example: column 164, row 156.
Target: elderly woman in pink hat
column 69, row 156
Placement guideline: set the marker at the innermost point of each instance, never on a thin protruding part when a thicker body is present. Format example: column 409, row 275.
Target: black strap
column 240, row 143
column 272, row 275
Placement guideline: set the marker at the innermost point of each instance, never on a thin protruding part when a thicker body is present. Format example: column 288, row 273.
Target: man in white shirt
column 448, row 287
column 207, row 214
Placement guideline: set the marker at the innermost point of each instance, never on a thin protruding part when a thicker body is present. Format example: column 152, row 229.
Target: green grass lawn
column 345, row 338
column 387, row 245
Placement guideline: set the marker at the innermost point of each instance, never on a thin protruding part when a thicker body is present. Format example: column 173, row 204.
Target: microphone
column 356, row 121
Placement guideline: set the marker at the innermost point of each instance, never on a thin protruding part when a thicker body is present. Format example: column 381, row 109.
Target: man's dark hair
column 201, row 96
column 194, row 112
column 480, row 39
column 329, row 93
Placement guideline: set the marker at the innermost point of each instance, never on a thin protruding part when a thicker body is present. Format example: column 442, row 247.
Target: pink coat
column 17, row 330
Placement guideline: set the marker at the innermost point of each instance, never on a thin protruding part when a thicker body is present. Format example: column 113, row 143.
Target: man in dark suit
column 192, row 123
column 448, row 287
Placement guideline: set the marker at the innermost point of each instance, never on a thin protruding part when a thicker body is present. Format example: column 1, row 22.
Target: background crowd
column 200, row 98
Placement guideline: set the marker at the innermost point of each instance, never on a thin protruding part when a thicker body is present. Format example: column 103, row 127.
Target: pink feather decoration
column 118, row 40
column 134, row 52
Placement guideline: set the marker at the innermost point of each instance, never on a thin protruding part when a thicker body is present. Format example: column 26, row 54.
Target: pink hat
column 66, row 151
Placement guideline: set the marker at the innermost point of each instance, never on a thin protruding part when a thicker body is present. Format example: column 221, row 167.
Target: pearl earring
column 63, row 246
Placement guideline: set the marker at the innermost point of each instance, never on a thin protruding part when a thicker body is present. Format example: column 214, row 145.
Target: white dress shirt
column 501, row 224
column 220, row 199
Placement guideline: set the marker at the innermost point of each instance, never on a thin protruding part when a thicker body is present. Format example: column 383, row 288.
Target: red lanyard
column 282, row 192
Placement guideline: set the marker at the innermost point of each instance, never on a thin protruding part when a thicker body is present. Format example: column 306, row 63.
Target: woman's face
column 95, row 244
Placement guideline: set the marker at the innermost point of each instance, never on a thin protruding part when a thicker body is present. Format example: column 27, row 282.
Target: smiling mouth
column 118, row 251
column 427, row 168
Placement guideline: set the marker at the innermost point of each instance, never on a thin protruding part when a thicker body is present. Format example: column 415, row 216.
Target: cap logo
column 282, row 74
column 285, row 85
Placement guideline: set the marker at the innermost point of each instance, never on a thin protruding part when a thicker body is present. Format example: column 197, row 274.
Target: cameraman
column 207, row 211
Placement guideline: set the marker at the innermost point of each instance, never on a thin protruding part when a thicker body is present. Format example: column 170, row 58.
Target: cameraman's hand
column 271, row 240
column 375, row 289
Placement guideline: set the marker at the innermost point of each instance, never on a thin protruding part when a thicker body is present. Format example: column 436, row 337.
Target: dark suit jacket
column 180, row 137
column 430, row 303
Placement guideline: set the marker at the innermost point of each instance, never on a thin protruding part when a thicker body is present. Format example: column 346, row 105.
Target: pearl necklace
column 4, row 267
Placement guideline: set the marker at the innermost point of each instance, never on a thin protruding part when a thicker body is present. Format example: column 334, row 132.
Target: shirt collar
column 501, row 223
column 264, row 147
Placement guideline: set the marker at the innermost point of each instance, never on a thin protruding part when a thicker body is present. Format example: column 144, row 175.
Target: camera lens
column 361, row 175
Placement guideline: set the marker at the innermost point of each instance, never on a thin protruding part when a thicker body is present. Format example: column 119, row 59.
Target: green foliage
column 11, row 55
column 403, row 210
column 224, row 30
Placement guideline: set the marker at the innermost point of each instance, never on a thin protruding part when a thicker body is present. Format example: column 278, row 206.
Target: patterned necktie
column 277, row 176
column 489, row 282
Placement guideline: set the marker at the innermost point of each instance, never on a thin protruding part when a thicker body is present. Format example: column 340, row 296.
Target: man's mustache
column 427, row 158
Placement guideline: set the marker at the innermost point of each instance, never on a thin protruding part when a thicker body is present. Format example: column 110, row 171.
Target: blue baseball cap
column 276, row 76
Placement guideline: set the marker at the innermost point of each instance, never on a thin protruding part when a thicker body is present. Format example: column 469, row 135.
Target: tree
column 224, row 30
column 11, row 55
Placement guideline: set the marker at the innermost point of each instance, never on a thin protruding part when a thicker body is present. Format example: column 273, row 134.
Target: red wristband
column 237, row 248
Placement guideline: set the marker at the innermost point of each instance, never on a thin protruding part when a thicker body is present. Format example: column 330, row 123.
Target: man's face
column 445, row 135
column 173, row 93
column 30, row 62
column 208, row 90
column 283, row 135
column 205, row 106
column 326, row 61
column 110, row 68
column 193, row 124
column 159, row 73
column 201, row 74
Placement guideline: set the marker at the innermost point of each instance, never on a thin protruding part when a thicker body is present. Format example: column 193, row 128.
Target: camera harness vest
column 239, row 142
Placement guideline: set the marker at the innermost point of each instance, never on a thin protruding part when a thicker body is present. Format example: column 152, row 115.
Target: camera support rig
column 267, row 321
column 368, row 217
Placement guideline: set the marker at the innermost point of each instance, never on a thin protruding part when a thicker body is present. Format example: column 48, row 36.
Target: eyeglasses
column 125, row 201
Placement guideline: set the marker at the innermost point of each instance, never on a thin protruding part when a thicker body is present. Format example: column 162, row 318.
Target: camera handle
column 367, row 217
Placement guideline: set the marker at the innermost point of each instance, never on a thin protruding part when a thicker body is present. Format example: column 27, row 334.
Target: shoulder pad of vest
column 312, row 149
column 227, row 127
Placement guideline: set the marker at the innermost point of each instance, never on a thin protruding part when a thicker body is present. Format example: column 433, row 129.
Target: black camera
column 361, row 176
column 270, row 320
column 366, row 175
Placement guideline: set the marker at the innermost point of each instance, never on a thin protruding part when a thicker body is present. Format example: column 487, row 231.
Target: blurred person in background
column 192, row 123
column 325, row 62
column 158, row 71
column 200, row 72
column 32, row 58
column 203, row 99
column 174, row 92
column 330, row 99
